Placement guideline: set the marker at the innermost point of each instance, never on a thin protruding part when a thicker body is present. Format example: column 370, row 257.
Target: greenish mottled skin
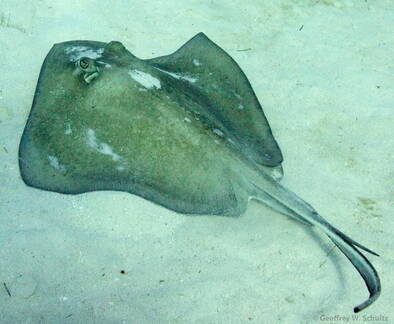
column 165, row 146
column 185, row 131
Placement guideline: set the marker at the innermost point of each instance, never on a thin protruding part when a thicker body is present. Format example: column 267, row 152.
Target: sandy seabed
column 324, row 74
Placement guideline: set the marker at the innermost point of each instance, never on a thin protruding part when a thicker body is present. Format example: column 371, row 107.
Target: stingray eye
column 83, row 63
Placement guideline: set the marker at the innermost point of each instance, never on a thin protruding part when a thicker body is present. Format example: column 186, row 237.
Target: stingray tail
column 286, row 202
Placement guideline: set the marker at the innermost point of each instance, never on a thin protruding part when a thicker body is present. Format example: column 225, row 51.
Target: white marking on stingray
column 241, row 106
column 102, row 147
column 277, row 173
column 76, row 52
column 237, row 95
column 145, row 79
column 218, row 132
column 187, row 119
column 196, row 62
column 178, row 76
column 142, row 89
column 106, row 65
column 68, row 130
column 54, row 162
column 231, row 141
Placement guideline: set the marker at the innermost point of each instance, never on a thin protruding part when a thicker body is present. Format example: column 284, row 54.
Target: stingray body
column 185, row 131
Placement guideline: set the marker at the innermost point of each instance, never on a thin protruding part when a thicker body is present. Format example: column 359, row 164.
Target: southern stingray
column 185, row 131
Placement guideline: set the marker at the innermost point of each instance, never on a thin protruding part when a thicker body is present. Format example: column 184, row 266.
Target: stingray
column 185, row 131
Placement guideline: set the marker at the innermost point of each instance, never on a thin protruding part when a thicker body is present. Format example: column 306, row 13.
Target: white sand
column 327, row 90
